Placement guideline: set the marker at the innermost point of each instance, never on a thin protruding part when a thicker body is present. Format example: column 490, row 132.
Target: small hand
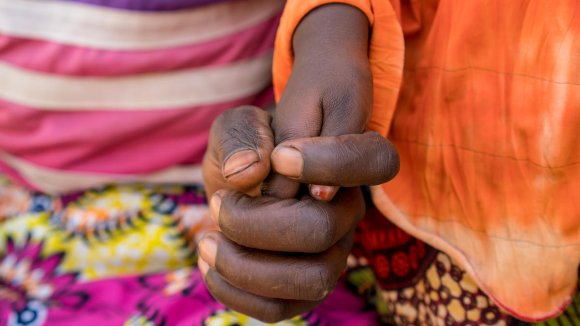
column 330, row 90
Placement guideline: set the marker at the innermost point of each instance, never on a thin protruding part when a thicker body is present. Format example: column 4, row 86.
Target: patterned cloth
column 120, row 255
column 411, row 283
column 416, row 284
column 126, row 255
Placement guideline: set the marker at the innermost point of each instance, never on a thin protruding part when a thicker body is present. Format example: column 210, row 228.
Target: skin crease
column 279, row 254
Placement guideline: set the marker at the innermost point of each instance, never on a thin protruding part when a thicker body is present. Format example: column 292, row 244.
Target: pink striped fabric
column 72, row 60
column 110, row 140
column 102, row 141
column 149, row 5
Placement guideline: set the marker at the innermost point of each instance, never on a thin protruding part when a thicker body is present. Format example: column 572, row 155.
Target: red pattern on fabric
column 398, row 259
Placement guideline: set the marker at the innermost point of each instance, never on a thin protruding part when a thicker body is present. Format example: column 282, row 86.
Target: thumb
column 348, row 160
column 239, row 148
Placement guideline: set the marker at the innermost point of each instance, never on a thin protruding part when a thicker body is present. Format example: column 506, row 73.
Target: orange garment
column 483, row 103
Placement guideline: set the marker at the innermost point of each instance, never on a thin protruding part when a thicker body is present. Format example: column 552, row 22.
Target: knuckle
column 272, row 312
column 210, row 282
column 321, row 282
column 320, row 228
column 324, row 240
column 229, row 210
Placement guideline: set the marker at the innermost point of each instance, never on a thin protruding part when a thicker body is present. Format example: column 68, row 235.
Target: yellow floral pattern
column 115, row 231
column 229, row 317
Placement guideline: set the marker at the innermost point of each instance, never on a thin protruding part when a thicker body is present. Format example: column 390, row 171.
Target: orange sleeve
column 386, row 53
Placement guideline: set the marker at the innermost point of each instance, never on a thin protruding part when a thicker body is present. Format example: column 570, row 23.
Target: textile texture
column 121, row 255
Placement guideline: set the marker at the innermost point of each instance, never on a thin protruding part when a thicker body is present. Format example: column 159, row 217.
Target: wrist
column 330, row 32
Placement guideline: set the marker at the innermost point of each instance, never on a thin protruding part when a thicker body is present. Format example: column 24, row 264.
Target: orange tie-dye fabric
column 483, row 103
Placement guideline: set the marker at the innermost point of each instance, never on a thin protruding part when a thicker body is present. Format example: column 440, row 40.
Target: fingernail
column 239, row 161
column 214, row 208
column 324, row 193
column 208, row 250
column 203, row 266
column 288, row 161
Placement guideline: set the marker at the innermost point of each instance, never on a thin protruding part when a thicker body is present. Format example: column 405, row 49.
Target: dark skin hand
column 280, row 254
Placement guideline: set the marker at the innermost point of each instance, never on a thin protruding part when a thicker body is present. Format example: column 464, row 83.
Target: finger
column 264, row 309
column 324, row 193
column 273, row 275
column 239, row 149
column 348, row 160
column 287, row 225
column 279, row 186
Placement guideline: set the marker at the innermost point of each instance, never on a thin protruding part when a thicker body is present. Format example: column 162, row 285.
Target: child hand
column 328, row 94
column 330, row 90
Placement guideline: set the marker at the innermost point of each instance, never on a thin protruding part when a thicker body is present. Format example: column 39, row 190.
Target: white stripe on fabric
column 57, row 182
column 158, row 91
column 98, row 27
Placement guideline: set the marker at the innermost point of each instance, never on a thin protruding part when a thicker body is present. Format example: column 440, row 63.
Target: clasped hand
column 281, row 246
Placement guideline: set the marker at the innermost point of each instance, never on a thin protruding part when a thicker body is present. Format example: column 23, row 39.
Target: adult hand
column 239, row 148
column 275, row 258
